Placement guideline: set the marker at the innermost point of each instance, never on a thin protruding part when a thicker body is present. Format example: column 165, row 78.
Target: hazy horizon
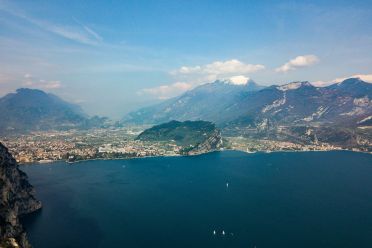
column 113, row 58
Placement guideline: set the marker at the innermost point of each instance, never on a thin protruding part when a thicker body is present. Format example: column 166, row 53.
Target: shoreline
column 179, row 155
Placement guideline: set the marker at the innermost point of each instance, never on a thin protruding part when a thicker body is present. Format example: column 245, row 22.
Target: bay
column 298, row 199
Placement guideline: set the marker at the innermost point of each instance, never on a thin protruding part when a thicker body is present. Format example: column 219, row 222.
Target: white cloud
column 298, row 62
column 239, row 80
column 81, row 33
column 233, row 66
column 227, row 67
column 31, row 81
column 92, row 32
column 70, row 33
column 89, row 30
column 365, row 77
column 166, row 91
column 188, row 70
column 54, row 84
column 322, row 83
column 200, row 74
column 188, row 77
column 27, row 76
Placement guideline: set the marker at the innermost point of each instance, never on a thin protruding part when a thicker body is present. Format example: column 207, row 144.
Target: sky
column 112, row 57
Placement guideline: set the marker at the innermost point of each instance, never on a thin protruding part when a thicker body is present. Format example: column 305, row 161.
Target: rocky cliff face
column 16, row 199
column 212, row 143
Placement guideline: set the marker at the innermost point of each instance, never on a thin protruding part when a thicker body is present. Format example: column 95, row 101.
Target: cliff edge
column 16, row 199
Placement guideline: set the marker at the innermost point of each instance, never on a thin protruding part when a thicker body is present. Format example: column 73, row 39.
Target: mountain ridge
column 347, row 102
column 35, row 110
column 219, row 94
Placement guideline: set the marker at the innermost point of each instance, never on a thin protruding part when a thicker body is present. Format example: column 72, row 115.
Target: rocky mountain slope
column 202, row 103
column 348, row 103
column 31, row 109
column 195, row 137
column 340, row 114
column 345, row 104
column 17, row 199
column 211, row 143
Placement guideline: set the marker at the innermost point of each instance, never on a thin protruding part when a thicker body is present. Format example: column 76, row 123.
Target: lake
column 298, row 199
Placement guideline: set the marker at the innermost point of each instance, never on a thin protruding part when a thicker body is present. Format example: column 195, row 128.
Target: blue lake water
column 311, row 199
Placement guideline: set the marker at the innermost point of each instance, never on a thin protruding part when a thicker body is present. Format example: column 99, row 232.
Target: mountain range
column 340, row 113
column 205, row 102
column 32, row 109
column 348, row 103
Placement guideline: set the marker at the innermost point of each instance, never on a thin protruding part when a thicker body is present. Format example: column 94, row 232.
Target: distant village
column 116, row 143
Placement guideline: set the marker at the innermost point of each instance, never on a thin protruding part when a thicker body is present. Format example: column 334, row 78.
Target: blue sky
column 114, row 56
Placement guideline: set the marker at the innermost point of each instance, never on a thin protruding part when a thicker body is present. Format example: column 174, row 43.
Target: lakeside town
column 120, row 143
column 77, row 145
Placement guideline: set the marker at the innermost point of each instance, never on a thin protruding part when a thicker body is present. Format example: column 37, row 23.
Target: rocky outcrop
column 16, row 199
column 212, row 143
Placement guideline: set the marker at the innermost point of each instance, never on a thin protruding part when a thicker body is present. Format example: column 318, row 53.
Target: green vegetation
column 186, row 134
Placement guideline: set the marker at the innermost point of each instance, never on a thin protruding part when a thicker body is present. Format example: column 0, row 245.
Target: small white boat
column 214, row 232
column 223, row 232
column 227, row 185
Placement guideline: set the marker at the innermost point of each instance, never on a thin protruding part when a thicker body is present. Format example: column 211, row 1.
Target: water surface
column 311, row 199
